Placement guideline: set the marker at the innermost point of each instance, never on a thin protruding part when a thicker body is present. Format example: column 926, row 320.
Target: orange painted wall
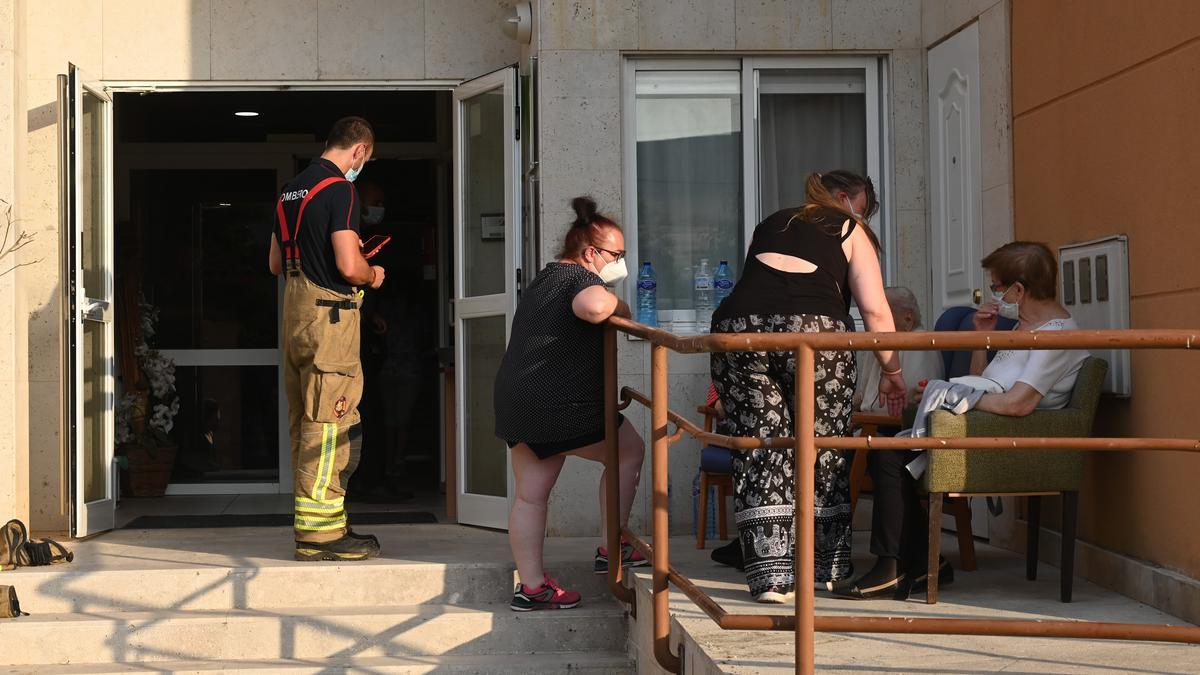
column 1106, row 140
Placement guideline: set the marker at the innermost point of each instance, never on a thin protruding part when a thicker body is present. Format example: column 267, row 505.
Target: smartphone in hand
column 372, row 245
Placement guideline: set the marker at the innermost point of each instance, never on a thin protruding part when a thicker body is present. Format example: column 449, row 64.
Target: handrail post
column 660, row 559
column 612, row 469
column 806, row 458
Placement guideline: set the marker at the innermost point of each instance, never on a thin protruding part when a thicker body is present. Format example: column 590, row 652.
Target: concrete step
column 594, row 663
column 308, row 633
column 272, row 584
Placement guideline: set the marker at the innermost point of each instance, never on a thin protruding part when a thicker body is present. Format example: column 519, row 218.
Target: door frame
column 972, row 226
column 475, row 509
column 110, row 88
column 78, row 307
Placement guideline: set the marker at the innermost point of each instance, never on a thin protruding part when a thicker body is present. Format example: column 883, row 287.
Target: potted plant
column 145, row 416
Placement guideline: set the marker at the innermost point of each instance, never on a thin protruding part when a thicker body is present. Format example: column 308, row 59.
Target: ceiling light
column 246, row 113
column 224, row 204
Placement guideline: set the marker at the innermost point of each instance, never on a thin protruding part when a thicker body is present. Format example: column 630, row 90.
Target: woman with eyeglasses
column 1024, row 285
column 549, row 396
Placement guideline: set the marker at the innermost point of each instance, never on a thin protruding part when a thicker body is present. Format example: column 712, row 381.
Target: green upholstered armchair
column 1035, row 473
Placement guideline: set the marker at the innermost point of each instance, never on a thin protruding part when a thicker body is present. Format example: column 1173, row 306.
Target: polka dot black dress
column 549, row 391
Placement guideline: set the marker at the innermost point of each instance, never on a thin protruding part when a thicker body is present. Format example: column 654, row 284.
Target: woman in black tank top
column 803, row 267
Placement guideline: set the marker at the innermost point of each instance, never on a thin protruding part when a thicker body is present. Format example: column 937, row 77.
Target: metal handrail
column 804, row 621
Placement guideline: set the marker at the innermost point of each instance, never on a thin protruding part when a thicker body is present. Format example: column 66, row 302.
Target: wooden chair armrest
column 710, row 415
column 860, row 419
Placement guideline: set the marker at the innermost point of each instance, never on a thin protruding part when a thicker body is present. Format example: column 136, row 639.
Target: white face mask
column 374, row 215
column 1008, row 310
column 612, row 272
column 850, row 208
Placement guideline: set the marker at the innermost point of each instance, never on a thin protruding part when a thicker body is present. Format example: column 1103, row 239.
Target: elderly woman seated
column 1017, row 382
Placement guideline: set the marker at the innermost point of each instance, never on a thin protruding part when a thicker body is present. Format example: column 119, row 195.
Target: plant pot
column 138, row 414
column 149, row 470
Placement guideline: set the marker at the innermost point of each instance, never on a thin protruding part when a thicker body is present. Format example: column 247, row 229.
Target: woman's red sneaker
column 549, row 595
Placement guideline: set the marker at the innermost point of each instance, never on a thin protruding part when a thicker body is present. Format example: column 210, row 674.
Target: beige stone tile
column 8, row 22
column 50, row 44
column 997, row 217
column 47, row 510
column 156, row 39
column 912, row 251
column 995, row 119
column 690, row 364
column 37, row 284
column 940, row 18
column 8, row 419
column 632, row 356
column 465, row 38
column 371, row 39
column 264, row 40
column 580, row 74
column 578, row 135
column 588, row 24
column 8, row 121
column 909, row 118
column 876, row 24
column 784, row 24
column 686, row 24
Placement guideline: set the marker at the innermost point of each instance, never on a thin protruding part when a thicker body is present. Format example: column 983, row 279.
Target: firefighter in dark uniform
column 316, row 243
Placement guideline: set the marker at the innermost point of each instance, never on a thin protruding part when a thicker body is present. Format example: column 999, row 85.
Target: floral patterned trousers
column 757, row 390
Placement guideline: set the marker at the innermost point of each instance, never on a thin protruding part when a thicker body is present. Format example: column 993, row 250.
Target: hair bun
column 585, row 210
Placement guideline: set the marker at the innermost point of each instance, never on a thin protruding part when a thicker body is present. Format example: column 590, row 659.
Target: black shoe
column 370, row 538
column 888, row 590
column 363, row 537
column 730, row 554
column 945, row 577
column 835, row 586
column 345, row 549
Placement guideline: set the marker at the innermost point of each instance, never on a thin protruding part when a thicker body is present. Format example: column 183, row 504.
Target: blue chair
column 958, row 363
column 716, row 470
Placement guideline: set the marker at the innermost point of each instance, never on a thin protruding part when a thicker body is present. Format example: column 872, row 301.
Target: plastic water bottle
column 722, row 284
column 703, row 296
column 647, row 296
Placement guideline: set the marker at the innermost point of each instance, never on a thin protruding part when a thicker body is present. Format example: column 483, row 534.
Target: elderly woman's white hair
column 900, row 297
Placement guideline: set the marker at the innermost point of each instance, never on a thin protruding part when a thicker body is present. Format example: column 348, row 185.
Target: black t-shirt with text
column 333, row 209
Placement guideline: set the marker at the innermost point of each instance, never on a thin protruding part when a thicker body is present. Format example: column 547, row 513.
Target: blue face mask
column 353, row 173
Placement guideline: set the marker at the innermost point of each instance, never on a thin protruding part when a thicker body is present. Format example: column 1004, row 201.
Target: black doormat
column 272, row 520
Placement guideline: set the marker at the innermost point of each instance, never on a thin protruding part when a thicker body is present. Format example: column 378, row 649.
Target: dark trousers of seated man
column 899, row 527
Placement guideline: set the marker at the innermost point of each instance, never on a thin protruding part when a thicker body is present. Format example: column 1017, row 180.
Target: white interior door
column 956, row 190
column 86, row 130
column 487, row 249
column 954, row 167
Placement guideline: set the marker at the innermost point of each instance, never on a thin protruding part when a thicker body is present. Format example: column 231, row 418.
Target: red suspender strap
column 291, row 246
column 285, row 235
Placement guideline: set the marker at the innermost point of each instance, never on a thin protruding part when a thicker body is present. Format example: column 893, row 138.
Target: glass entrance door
column 198, row 245
column 85, row 124
column 487, row 247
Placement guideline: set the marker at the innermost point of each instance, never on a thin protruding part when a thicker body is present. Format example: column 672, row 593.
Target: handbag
column 10, row 607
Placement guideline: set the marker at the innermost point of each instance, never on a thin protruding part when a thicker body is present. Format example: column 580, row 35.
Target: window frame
column 875, row 69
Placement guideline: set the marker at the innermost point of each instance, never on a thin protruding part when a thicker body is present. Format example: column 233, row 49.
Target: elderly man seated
column 917, row 366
